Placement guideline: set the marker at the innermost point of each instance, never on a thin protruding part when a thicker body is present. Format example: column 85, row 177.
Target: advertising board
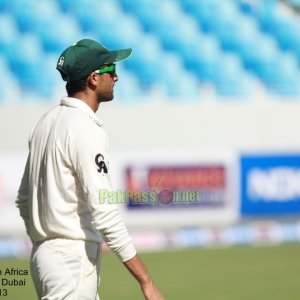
column 270, row 184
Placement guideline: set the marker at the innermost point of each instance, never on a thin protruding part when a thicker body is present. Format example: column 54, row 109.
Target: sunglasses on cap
column 111, row 69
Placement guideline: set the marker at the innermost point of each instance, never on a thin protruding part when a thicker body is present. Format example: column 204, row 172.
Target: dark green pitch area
column 238, row 273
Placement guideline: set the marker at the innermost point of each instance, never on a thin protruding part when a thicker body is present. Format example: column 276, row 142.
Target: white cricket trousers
column 64, row 269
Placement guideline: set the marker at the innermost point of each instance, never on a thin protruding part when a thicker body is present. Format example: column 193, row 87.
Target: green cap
column 86, row 56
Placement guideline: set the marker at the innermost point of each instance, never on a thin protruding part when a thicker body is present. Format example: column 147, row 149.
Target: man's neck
column 89, row 100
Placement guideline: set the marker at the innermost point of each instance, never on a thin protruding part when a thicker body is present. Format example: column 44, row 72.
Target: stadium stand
column 294, row 3
column 179, row 45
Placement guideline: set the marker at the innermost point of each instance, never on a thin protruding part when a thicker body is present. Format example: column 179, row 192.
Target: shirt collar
column 77, row 103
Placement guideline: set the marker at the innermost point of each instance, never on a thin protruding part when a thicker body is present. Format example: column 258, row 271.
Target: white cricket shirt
column 66, row 167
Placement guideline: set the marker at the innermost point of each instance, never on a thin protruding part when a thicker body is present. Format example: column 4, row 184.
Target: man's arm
column 105, row 216
column 22, row 198
column 141, row 274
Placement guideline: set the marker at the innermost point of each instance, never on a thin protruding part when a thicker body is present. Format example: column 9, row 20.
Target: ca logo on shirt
column 99, row 160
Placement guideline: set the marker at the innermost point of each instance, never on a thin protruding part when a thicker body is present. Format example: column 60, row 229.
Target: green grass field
column 239, row 273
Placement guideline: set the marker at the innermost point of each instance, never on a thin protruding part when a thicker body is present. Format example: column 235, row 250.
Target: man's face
column 105, row 87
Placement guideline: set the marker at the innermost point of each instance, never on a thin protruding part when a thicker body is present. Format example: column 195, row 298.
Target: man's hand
column 140, row 272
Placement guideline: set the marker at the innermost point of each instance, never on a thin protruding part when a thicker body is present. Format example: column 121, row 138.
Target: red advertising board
column 175, row 186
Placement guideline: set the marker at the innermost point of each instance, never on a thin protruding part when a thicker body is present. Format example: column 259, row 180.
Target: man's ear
column 93, row 79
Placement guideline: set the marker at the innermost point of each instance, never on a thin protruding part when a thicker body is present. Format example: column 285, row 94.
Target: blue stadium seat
column 169, row 37
column 24, row 13
column 175, row 81
column 226, row 12
column 176, row 36
column 247, row 7
column 282, row 25
column 4, row 5
column 268, row 12
column 66, row 5
column 147, row 61
column 8, row 82
column 128, row 89
column 86, row 15
column 64, row 32
column 283, row 76
column 27, row 65
column 206, row 7
column 205, row 13
column 266, row 58
column 236, row 31
column 9, row 35
column 95, row 15
column 204, row 58
column 154, row 15
column 258, row 53
column 146, row 11
column 232, row 80
column 130, row 5
column 286, row 33
column 49, row 79
column 170, row 24
column 29, row 13
column 208, row 12
column 241, row 88
column 115, row 36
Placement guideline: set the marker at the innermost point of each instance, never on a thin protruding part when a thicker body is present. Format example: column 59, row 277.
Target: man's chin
column 108, row 99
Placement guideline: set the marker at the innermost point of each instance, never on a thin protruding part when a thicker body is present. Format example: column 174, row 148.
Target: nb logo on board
column 280, row 184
